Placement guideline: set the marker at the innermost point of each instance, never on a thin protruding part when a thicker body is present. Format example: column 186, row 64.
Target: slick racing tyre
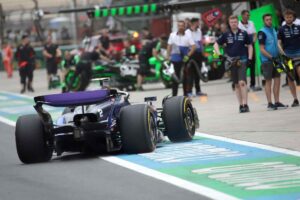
column 31, row 141
column 197, row 70
column 138, row 129
column 179, row 119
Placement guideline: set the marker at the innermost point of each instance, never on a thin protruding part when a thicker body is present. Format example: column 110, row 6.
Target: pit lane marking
column 231, row 176
column 187, row 152
column 7, row 121
column 255, row 176
column 250, row 144
column 201, row 190
column 198, row 189
column 179, row 182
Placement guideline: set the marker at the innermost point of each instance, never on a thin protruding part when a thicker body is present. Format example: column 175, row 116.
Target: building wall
column 282, row 4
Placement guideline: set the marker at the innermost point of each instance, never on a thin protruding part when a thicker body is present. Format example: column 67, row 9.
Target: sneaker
column 233, row 87
column 139, row 88
column 295, row 103
column 271, row 107
column 22, row 91
column 246, row 108
column 280, row 106
column 200, row 94
column 242, row 109
column 30, row 89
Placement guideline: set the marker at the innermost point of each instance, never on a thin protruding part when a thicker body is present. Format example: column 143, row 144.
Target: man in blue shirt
column 268, row 44
column 237, row 44
column 289, row 45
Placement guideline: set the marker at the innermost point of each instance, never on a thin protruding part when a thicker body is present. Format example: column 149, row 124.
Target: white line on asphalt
column 157, row 175
column 7, row 121
column 19, row 95
column 204, row 191
column 251, row 144
column 186, row 184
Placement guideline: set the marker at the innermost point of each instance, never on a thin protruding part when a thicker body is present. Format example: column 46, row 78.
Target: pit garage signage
column 211, row 17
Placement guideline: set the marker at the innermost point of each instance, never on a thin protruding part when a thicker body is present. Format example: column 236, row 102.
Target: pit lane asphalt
column 76, row 177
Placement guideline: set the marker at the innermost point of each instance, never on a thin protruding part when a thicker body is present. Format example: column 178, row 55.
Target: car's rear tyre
column 179, row 119
column 138, row 129
column 31, row 142
column 197, row 70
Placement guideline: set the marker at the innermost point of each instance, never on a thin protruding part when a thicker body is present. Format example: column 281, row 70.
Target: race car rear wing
column 76, row 98
column 70, row 100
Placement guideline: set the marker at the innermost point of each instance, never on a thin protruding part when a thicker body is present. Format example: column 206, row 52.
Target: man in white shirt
column 180, row 48
column 246, row 25
column 196, row 34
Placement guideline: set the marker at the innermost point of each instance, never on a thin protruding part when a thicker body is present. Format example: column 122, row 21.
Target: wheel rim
column 152, row 128
column 189, row 121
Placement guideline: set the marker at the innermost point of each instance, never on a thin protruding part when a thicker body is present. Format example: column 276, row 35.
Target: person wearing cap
column 181, row 47
column 25, row 56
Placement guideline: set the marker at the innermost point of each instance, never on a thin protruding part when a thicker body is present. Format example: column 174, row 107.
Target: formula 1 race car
column 122, row 75
column 102, row 121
